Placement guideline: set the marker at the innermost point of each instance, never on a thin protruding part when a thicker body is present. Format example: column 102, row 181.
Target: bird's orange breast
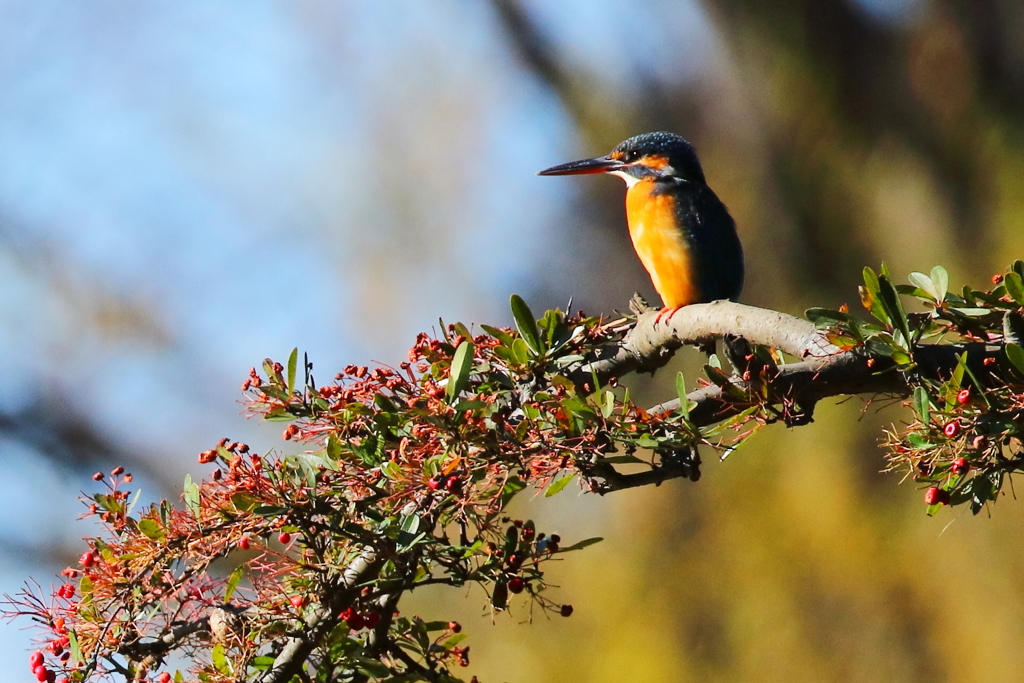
column 661, row 244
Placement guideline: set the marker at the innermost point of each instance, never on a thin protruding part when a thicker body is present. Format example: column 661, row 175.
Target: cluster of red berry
column 451, row 484
column 357, row 621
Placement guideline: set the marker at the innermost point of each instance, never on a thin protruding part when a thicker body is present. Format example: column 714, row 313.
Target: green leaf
column 293, row 361
column 501, row 335
column 894, row 310
column 922, row 403
column 512, row 486
column 233, row 580
column 826, row 317
column 269, row 510
column 407, row 532
column 150, row 528
column 76, row 651
column 454, row 640
column 520, row 351
column 1014, row 287
column 922, row 281
column 462, row 365
column 391, row 470
column 220, row 662
column 608, row 406
column 941, row 279
column 684, row 402
column 869, row 295
column 191, row 495
column 1015, row 354
column 526, row 323
column 558, row 485
column 971, row 312
column 372, row 667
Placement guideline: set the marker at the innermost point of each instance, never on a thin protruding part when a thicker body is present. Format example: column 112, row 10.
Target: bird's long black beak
column 603, row 164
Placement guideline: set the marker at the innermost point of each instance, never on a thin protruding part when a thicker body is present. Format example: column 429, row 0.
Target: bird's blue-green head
column 655, row 155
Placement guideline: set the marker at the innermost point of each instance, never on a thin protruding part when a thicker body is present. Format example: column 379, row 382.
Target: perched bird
column 681, row 231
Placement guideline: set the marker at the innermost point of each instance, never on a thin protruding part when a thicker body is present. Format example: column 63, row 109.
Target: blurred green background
column 186, row 189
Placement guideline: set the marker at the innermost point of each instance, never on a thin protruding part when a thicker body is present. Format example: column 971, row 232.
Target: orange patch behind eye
column 655, row 161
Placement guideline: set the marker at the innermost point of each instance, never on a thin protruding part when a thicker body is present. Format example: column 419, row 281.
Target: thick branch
column 825, row 372
column 320, row 621
column 651, row 343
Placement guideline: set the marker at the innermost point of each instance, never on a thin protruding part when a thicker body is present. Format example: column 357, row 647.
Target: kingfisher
column 680, row 229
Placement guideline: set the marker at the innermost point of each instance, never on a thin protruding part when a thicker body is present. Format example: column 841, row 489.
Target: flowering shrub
column 291, row 567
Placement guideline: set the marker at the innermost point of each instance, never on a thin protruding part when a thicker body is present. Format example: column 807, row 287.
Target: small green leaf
column 684, row 402
column 407, row 533
column 220, row 662
column 520, row 351
column 894, row 310
column 76, row 651
column 462, row 365
column 922, row 281
column 1015, row 354
column 150, row 528
column 1014, row 286
column 608, row 406
column 922, row 403
column 191, row 494
column 233, row 580
column 826, row 317
column 526, row 323
column 940, row 277
column 513, row 485
column 372, row 667
column 869, row 295
column 501, row 335
column 454, row 640
column 557, row 485
column 293, row 361
column 391, row 470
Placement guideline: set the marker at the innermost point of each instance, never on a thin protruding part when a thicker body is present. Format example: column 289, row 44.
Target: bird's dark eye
column 629, row 156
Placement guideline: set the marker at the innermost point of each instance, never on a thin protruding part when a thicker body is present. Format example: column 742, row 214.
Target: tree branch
column 322, row 620
column 650, row 344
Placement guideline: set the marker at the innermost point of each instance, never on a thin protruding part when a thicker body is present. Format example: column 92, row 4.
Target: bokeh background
column 187, row 188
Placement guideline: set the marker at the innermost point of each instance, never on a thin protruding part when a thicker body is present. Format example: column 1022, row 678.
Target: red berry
column 117, row 471
column 435, row 482
column 936, row 496
column 356, row 622
column 454, row 626
column 34, row 660
column 997, row 278
column 516, row 585
column 51, row 676
column 453, row 485
column 285, row 538
column 952, row 429
column 566, row 610
column 98, row 476
column 297, row 601
column 964, row 396
column 243, row 543
column 87, row 559
column 164, row 678
column 961, row 466
column 41, row 673
column 371, row 619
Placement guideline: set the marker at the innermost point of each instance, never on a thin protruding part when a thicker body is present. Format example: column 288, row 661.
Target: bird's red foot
column 665, row 313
